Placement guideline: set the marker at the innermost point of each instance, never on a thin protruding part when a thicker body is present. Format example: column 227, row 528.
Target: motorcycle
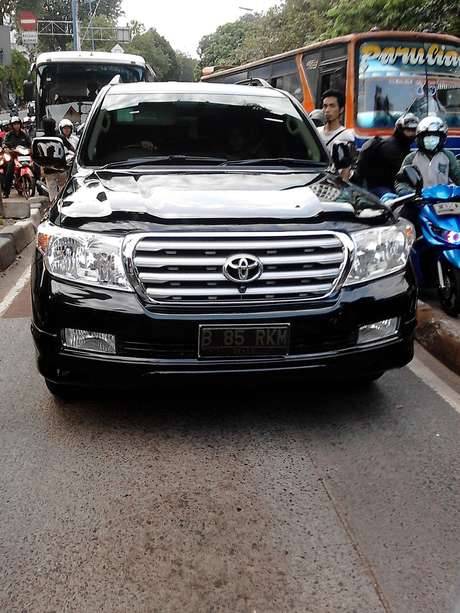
column 23, row 177
column 435, row 256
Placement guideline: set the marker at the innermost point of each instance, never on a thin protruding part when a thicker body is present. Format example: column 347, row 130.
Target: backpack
column 367, row 156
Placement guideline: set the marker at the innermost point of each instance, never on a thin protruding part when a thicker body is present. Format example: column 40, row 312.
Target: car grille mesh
column 188, row 268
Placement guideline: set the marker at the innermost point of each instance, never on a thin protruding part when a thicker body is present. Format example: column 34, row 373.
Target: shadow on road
column 262, row 402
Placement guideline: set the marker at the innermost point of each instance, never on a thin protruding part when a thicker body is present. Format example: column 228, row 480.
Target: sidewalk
column 439, row 334
column 18, row 226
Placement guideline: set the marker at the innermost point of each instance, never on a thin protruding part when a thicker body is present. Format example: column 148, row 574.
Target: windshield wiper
column 161, row 159
column 286, row 161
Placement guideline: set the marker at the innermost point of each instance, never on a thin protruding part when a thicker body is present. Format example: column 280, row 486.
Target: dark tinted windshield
column 79, row 81
column 223, row 126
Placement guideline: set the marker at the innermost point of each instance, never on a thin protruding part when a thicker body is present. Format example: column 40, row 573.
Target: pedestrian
column 380, row 159
column 438, row 166
column 333, row 132
column 16, row 137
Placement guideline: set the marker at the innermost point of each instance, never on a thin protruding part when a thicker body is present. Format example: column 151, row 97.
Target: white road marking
column 436, row 383
column 14, row 291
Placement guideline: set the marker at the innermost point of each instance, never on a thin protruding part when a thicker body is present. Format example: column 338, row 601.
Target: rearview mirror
column 28, row 89
column 342, row 156
column 412, row 176
column 49, row 152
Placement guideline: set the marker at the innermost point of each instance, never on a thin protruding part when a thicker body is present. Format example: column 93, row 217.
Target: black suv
column 202, row 231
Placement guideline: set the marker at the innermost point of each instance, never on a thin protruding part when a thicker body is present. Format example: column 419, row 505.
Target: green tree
column 221, row 47
column 187, row 66
column 13, row 76
column 361, row 15
column 158, row 53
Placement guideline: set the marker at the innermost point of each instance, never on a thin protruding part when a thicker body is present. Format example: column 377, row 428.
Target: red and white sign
column 27, row 21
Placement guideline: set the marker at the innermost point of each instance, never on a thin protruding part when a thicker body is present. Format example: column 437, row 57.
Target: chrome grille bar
column 188, row 268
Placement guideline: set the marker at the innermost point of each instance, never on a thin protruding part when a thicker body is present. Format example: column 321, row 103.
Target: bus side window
column 290, row 83
column 332, row 70
column 284, row 75
column 311, row 61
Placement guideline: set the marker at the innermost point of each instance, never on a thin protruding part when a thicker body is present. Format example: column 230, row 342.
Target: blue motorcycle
column 435, row 212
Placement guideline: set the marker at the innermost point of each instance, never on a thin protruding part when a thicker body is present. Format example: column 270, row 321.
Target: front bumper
column 159, row 342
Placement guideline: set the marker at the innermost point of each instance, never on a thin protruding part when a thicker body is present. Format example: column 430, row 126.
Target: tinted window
column 226, row 126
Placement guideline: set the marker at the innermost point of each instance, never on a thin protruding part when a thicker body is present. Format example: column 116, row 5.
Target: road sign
column 27, row 21
column 30, row 39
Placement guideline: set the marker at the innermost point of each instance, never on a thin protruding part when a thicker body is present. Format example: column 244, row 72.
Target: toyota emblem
column 243, row 268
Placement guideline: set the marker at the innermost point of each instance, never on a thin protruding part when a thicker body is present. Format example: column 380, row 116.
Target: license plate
column 244, row 340
column 447, row 208
column 24, row 158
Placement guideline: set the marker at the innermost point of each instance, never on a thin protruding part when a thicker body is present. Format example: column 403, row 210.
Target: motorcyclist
column 16, row 137
column 380, row 159
column 68, row 138
column 438, row 166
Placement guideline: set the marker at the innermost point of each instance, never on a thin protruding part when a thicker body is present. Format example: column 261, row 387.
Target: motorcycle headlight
column 92, row 259
column 380, row 251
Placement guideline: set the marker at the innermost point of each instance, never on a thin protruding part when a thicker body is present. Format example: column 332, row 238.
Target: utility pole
column 76, row 32
column 91, row 19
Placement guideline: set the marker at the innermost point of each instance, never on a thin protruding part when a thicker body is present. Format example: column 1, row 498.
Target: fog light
column 378, row 330
column 87, row 340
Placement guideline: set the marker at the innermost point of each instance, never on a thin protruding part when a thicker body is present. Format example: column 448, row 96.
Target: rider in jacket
column 16, row 137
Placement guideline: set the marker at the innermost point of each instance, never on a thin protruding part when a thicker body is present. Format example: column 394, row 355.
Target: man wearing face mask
column 437, row 165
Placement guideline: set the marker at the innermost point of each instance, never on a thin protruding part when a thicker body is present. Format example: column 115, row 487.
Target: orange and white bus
column 383, row 74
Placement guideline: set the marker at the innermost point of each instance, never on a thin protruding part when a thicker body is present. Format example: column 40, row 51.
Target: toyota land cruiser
column 202, row 231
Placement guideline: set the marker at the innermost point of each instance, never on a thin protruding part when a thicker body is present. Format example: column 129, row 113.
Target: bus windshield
column 67, row 88
column 399, row 76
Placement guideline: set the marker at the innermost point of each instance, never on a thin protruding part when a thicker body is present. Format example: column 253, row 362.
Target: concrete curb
column 439, row 334
column 7, row 251
column 15, row 238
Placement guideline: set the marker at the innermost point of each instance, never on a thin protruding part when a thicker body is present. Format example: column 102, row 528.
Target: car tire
column 61, row 390
column 365, row 380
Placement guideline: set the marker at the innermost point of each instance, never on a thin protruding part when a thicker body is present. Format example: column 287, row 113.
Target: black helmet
column 408, row 121
column 431, row 134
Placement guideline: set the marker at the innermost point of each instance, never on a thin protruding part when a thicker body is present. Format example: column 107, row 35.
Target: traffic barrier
column 22, row 233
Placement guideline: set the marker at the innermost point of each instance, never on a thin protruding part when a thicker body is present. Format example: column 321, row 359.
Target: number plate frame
column 447, row 208
column 249, row 350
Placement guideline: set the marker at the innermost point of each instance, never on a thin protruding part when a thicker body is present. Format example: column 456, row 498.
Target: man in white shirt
column 333, row 132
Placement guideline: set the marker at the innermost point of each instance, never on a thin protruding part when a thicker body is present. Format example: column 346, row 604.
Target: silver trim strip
column 345, row 258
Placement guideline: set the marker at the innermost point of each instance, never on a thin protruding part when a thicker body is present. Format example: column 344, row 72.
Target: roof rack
column 254, row 82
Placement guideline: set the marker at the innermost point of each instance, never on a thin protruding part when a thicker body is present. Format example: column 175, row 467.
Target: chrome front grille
column 187, row 268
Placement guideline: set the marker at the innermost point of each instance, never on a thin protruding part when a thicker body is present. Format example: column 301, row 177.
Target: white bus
column 64, row 84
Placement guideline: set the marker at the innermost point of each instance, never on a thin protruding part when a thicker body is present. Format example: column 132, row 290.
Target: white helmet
column 431, row 134
column 65, row 123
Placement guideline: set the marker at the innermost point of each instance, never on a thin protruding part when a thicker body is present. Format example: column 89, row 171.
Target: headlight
column 92, row 259
column 380, row 251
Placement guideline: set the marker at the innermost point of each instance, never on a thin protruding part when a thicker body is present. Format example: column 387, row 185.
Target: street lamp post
column 76, row 32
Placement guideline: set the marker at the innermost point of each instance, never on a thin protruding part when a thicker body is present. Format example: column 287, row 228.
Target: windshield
column 225, row 127
column 397, row 77
column 67, row 89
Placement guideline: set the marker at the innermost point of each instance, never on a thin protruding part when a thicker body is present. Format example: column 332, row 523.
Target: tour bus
column 65, row 83
column 382, row 73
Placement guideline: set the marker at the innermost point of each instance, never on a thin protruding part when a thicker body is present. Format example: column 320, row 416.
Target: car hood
column 112, row 200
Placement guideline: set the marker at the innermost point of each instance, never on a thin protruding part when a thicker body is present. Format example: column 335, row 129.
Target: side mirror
column 49, row 152
column 412, row 176
column 341, row 156
column 28, row 91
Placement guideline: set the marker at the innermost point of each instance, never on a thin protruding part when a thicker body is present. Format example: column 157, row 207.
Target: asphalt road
column 256, row 497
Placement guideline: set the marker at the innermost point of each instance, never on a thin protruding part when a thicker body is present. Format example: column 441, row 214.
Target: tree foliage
column 158, row 53
column 13, row 76
column 296, row 23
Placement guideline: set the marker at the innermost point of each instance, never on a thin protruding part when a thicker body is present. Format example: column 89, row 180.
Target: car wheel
column 61, row 390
